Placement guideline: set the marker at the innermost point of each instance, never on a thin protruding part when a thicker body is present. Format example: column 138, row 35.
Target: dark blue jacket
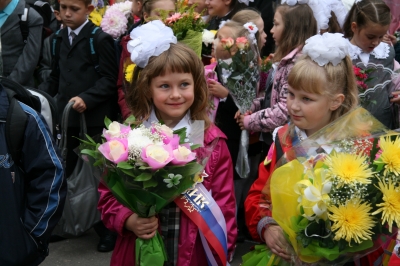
column 32, row 193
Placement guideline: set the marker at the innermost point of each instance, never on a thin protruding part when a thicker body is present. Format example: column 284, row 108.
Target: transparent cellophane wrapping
column 280, row 196
column 240, row 75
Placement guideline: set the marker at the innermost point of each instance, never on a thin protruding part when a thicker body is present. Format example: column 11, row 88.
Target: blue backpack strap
column 55, row 48
column 93, row 47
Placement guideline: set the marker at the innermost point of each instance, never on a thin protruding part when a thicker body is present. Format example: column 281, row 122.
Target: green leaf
column 196, row 146
column 89, row 152
column 125, row 165
column 107, row 122
column 127, row 172
column 98, row 162
column 90, row 139
column 150, row 183
column 130, row 120
column 143, row 177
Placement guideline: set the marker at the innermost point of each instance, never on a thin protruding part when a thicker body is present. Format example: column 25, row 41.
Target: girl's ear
column 145, row 16
column 336, row 102
column 354, row 27
column 227, row 2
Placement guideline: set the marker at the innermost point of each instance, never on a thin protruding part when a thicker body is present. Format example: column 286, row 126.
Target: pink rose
column 182, row 155
column 115, row 150
column 174, row 142
column 116, row 130
column 227, row 43
column 157, row 156
column 242, row 43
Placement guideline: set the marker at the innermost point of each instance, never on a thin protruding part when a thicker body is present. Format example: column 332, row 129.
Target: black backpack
column 45, row 11
column 17, row 119
column 92, row 47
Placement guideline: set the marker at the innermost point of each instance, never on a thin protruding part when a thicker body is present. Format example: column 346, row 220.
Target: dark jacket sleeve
column 105, row 86
column 44, row 174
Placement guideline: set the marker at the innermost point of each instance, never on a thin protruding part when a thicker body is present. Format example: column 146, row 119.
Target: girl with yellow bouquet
column 322, row 88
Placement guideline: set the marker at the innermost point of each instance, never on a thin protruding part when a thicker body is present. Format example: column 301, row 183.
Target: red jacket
column 191, row 252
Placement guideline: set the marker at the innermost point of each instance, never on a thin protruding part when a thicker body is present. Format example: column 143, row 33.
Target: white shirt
column 76, row 31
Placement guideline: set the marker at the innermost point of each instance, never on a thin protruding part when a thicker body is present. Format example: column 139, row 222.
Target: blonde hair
column 299, row 25
column 364, row 12
column 148, row 5
column 177, row 59
column 327, row 80
column 249, row 15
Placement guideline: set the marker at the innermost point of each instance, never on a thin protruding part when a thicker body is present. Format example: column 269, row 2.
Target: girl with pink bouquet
column 169, row 87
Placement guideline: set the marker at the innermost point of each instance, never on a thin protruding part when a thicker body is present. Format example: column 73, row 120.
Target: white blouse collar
column 380, row 52
column 301, row 134
column 185, row 122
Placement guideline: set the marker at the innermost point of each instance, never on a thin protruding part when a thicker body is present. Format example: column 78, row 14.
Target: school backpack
column 45, row 11
column 17, row 119
column 92, row 47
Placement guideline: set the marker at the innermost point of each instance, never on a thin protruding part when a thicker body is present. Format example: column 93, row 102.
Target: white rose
column 169, row 133
column 114, row 129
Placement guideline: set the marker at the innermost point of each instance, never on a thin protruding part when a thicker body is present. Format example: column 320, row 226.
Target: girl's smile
column 172, row 96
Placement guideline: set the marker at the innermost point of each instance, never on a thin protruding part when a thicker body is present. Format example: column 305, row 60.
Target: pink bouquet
column 146, row 169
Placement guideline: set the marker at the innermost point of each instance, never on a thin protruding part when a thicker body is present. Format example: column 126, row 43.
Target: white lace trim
column 380, row 52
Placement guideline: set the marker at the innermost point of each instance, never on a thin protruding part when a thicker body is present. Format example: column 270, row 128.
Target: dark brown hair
column 299, row 25
column 177, row 59
column 364, row 12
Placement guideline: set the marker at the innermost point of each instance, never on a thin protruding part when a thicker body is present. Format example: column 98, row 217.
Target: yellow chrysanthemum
column 129, row 72
column 390, row 207
column 95, row 17
column 352, row 221
column 349, row 168
column 390, row 154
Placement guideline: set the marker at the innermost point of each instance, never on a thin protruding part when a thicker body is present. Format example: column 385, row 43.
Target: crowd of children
column 302, row 94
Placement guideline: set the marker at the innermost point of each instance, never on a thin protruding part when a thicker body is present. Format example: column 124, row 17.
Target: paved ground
column 82, row 251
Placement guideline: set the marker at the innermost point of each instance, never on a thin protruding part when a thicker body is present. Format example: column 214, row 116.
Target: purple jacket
column 191, row 252
column 266, row 120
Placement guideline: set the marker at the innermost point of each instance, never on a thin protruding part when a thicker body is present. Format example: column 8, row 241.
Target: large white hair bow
column 150, row 39
column 326, row 48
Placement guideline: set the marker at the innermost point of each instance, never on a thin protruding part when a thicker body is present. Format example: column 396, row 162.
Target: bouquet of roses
column 145, row 169
column 240, row 75
column 337, row 194
column 187, row 26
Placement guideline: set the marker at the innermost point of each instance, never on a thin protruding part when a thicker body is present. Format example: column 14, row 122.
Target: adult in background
column 19, row 58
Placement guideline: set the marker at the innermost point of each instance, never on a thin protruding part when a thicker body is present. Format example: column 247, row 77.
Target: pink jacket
column 266, row 120
column 191, row 252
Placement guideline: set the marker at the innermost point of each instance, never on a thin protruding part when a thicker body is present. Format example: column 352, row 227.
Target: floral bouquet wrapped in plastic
column 240, row 75
column 336, row 195
column 187, row 26
column 146, row 168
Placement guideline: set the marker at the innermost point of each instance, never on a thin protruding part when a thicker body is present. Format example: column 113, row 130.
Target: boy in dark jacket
column 32, row 190
column 75, row 76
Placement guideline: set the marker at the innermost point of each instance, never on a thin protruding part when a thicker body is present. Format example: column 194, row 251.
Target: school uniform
column 75, row 75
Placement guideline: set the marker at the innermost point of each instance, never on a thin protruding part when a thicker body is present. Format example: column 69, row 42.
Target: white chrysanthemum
column 208, row 37
column 114, row 23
